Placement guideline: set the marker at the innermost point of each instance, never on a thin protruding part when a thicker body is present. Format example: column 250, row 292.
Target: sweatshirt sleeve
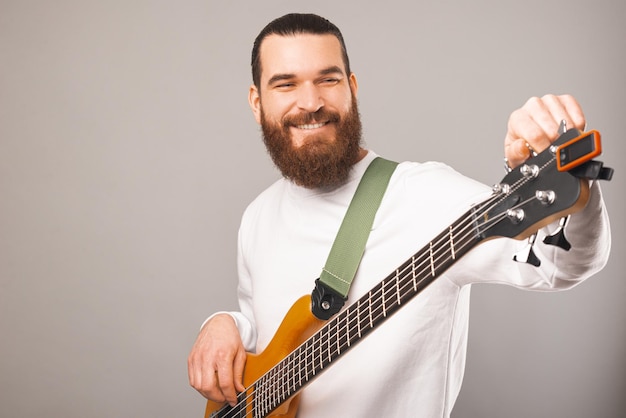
column 588, row 231
column 244, row 318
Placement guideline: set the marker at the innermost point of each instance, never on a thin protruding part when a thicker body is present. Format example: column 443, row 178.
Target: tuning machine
column 527, row 255
column 557, row 238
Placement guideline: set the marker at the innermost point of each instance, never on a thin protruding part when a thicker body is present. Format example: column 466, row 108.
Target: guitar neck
column 347, row 328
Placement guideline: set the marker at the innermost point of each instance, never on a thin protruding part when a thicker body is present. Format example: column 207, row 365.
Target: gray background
column 128, row 153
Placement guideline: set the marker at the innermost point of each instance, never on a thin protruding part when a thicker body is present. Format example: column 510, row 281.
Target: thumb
column 517, row 152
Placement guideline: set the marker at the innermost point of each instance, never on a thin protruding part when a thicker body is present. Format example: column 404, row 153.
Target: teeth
column 311, row 126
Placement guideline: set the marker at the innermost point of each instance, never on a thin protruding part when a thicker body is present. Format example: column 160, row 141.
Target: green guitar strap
column 331, row 289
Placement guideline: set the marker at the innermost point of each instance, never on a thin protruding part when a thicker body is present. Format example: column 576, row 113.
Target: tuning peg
column 527, row 255
column 558, row 237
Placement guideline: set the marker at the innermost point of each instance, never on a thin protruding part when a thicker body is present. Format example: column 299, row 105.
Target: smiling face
column 306, row 105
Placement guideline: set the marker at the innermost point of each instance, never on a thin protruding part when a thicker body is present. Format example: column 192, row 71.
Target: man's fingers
column 574, row 111
column 547, row 112
column 523, row 125
column 516, row 152
column 238, row 369
column 536, row 125
column 215, row 364
column 206, row 382
column 226, row 382
column 213, row 381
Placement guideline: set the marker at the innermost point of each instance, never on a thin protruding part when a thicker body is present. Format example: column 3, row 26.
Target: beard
column 321, row 161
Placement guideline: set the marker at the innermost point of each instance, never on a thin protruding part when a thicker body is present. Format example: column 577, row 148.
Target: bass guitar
column 549, row 186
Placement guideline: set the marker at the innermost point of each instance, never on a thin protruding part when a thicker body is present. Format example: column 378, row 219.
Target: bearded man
column 304, row 97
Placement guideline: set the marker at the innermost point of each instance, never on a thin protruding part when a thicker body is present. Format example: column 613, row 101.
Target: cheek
column 274, row 111
column 344, row 101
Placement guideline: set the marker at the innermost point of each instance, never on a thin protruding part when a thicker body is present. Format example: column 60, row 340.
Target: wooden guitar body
column 298, row 325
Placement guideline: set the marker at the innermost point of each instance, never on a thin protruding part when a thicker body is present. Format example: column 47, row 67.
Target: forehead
column 299, row 54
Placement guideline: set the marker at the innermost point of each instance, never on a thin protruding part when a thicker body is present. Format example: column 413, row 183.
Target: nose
column 310, row 98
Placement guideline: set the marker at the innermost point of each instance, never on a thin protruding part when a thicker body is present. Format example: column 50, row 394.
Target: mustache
column 322, row 115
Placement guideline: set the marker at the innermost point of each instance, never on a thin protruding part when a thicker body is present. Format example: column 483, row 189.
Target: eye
column 330, row 81
column 285, row 86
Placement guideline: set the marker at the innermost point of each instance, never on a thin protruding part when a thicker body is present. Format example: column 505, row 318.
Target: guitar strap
column 333, row 285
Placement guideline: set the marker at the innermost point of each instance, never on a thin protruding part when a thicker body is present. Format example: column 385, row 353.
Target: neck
column 362, row 153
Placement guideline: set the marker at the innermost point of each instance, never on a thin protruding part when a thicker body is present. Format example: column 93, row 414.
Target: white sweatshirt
column 413, row 364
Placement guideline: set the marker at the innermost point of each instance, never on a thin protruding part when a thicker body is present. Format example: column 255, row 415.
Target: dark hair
column 293, row 24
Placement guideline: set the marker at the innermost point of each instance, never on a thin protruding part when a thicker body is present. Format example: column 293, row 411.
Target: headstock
column 548, row 186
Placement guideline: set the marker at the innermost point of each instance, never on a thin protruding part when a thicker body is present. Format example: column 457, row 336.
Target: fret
column 322, row 349
column 317, row 356
column 369, row 306
column 377, row 310
column 358, row 320
column 452, row 243
column 303, row 362
column 398, row 286
column 255, row 405
column 338, row 337
column 354, row 324
column 268, row 391
column 314, row 356
column 260, row 395
column 291, row 360
column 255, row 399
column 273, row 388
column 281, row 383
column 328, row 350
column 413, row 273
column 346, row 344
column 263, row 404
column 308, row 363
column 345, row 340
column 363, row 319
column 289, row 383
column 382, row 293
column 385, row 298
column 432, row 261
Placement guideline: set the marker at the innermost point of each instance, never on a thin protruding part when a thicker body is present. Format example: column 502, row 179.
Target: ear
column 354, row 86
column 254, row 99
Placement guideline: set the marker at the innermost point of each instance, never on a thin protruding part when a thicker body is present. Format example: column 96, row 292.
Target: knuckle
column 532, row 102
column 549, row 98
column 223, row 356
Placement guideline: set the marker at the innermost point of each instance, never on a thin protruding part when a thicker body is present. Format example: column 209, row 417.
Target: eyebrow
column 288, row 76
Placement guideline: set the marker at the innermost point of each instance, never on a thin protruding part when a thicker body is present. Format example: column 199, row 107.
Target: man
column 304, row 97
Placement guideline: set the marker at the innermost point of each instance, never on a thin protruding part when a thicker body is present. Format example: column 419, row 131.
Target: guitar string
column 347, row 321
column 266, row 403
column 297, row 360
column 442, row 251
column 400, row 276
column 347, row 314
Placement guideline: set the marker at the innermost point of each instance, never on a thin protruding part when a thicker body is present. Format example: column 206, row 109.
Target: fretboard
column 347, row 328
